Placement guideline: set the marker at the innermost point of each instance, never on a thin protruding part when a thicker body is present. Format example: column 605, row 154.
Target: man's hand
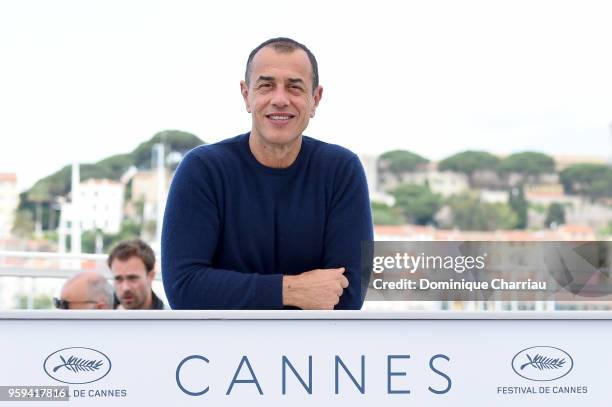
column 315, row 289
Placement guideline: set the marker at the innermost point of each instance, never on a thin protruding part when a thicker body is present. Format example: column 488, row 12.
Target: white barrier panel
column 177, row 358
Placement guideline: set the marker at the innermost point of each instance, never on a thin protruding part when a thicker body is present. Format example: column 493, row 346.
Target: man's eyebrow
column 295, row 80
column 265, row 78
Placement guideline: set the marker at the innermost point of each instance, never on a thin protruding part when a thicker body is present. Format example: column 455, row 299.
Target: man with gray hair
column 86, row 290
column 272, row 218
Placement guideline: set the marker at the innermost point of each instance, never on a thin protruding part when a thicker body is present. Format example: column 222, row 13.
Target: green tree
column 600, row 188
column 468, row 162
column 469, row 213
column 127, row 194
column 385, row 215
column 89, row 240
column 173, row 140
column 605, row 231
column 130, row 229
column 555, row 215
column 520, row 206
column 400, row 161
column 591, row 180
column 58, row 184
column 417, row 203
column 41, row 301
column 527, row 163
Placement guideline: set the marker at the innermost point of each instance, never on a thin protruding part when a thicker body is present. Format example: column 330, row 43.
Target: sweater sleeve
column 189, row 240
column 349, row 223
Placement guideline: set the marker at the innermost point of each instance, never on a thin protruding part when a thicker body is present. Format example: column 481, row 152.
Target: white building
column 370, row 167
column 369, row 163
column 493, row 196
column 445, row 183
column 9, row 201
column 99, row 206
column 101, row 202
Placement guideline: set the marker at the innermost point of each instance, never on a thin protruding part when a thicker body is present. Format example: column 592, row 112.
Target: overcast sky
column 87, row 79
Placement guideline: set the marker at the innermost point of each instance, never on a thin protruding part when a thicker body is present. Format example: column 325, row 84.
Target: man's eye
column 265, row 85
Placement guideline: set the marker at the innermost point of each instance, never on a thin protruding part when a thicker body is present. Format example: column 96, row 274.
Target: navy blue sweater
column 233, row 227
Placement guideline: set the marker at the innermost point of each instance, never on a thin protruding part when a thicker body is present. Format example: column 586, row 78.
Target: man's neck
column 274, row 155
column 148, row 304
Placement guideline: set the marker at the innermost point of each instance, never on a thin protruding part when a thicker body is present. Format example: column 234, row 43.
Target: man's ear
column 318, row 94
column 244, row 89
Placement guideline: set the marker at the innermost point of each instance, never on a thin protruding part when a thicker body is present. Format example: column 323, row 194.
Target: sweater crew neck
column 252, row 160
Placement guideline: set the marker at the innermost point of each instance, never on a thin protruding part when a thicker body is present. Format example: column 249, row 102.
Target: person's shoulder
column 329, row 152
column 219, row 148
column 215, row 154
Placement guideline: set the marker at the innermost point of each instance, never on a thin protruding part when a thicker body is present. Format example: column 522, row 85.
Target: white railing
column 52, row 265
column 49, row 264
column 28, row 274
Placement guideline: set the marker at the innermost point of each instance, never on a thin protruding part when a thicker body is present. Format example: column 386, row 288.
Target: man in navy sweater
column 270, row 219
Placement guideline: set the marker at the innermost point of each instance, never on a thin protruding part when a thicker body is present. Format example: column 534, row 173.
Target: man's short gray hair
column 101, row 290
column 285, row 45
column 97, row 287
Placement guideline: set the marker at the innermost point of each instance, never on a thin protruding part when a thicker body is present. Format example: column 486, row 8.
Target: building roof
column 417, row 232
column 8, row 177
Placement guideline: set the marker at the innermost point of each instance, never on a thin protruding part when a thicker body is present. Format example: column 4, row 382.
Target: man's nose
column 280, row 98
column 123, row 285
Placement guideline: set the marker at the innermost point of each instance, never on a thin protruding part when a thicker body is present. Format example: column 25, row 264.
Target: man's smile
column 280, row 117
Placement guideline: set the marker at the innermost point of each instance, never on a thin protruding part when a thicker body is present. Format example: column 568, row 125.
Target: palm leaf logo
column 541, row 362
column 76, row 365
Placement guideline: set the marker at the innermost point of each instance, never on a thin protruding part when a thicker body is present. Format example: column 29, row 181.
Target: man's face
column 132, row 282
column 279, row 95
column 77, row 296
